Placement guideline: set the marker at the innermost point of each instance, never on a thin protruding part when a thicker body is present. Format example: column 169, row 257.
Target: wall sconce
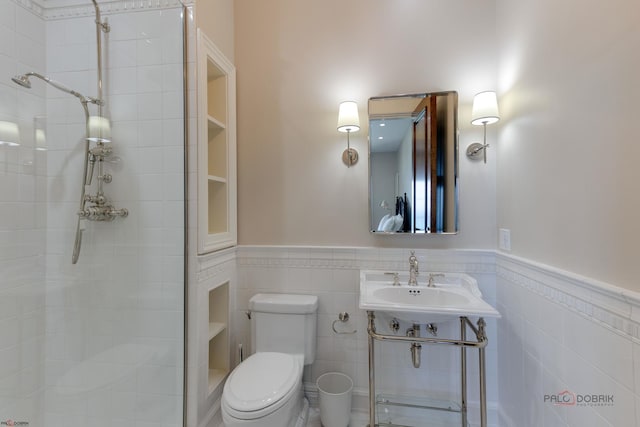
column 483, row 113
column 9, row 134
column 349, row 121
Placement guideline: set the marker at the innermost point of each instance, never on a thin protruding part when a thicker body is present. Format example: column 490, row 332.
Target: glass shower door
column 99, row 342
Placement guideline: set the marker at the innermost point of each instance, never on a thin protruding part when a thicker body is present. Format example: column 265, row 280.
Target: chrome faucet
column 413, row 269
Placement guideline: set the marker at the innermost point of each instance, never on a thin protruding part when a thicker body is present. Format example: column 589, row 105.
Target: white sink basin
column 454, row 295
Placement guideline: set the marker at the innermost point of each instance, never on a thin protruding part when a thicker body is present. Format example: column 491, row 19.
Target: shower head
column 22, row 80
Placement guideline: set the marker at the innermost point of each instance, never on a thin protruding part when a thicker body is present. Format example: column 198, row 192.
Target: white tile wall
column 561, row 332
column 97, row 343
column 22, row 233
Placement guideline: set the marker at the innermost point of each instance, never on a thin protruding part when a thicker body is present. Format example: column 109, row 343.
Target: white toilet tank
column 284, row 323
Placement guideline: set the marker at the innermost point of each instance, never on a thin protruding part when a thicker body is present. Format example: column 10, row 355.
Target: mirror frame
column 448, row 212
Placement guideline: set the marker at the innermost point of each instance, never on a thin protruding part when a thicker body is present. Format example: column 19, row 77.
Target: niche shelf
column 217, row 183
column 218, row 335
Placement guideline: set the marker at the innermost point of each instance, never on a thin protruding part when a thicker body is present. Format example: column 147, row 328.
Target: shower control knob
column 102, row 213
column 106, row 178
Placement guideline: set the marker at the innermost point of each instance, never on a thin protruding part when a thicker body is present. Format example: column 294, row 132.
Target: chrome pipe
column 416, row 354
column 100, row 27
column 415, row 348
column 428, row 340
column 100, row 191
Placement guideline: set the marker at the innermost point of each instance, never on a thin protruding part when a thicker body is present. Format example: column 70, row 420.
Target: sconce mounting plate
column 350, row 156
column 476, row 151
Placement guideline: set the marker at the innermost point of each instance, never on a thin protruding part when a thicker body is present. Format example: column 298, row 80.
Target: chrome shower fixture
column 92, row 207
column 23, row 80
column 104, row 26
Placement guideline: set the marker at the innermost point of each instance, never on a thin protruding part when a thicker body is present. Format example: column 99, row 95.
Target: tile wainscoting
column 333, row 275
column 568, row 348
column 559, row 332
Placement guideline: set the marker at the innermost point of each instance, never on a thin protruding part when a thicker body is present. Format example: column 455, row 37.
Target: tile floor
column 358, row 419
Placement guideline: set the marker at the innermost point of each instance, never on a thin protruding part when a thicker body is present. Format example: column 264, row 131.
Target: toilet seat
column 261, row 384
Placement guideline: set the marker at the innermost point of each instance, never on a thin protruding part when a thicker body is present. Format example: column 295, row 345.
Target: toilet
column 265, row 390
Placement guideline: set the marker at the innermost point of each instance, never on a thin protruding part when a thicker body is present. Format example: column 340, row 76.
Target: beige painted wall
column 215, row 18
column 297, row 60
column 568, row 151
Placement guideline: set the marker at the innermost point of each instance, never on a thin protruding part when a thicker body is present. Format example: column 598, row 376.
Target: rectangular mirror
column 413, row 163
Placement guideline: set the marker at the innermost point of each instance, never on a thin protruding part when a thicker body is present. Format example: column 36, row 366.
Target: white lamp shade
column 348, row 119
column 485, row 109
column 99, row 129
column 9, row 134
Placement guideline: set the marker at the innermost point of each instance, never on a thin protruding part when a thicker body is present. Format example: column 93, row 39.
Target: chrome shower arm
column 59, row 86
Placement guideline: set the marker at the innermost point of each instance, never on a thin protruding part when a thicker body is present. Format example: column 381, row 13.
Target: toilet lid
column 260, row 381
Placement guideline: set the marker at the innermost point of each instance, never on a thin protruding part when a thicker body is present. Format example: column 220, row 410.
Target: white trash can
column 334, row 392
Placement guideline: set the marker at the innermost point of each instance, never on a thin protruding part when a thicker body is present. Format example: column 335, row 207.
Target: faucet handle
column 431, row 281
column 396, row 278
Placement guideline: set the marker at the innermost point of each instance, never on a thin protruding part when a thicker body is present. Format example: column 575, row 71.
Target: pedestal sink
column 453, row 295
column 435, row 298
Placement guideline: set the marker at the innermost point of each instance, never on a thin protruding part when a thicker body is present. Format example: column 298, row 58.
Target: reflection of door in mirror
column 413, row 163
column 421, row 171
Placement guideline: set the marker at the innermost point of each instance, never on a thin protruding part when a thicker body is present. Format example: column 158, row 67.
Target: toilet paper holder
column 342, row 317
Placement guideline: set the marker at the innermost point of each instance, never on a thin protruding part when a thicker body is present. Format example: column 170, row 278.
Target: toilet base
column 304, row 414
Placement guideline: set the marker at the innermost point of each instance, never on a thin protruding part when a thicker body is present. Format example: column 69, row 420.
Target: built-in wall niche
column 216, row 148
column 218, row 335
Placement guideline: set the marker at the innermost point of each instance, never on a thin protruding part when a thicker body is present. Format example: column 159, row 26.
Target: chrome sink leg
column 463, row 371
column 483, row 379
column 372, row 367
column 481, row 342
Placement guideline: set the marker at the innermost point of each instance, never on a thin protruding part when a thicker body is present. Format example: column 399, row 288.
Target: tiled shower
column 100, row 342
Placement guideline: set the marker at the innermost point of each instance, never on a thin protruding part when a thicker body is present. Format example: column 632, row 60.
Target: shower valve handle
column 102, row 213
